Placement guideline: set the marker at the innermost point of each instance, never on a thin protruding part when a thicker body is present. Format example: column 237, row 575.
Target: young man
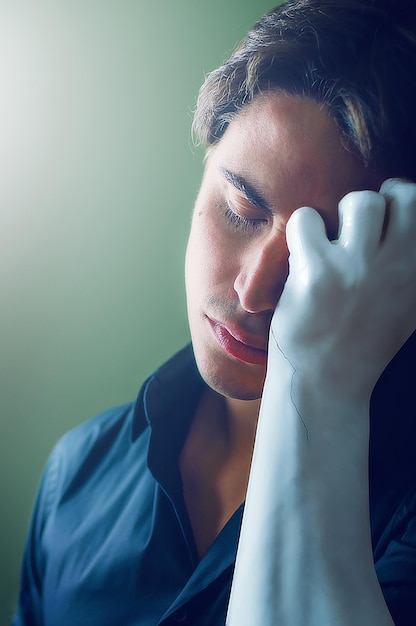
column 138, row 516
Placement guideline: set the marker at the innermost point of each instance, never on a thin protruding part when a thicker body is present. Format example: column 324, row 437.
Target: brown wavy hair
column 357, row 58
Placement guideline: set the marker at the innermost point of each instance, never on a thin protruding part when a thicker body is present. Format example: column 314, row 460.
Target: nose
column 262, row 274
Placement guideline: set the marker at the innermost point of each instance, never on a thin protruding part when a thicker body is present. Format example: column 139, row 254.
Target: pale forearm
column 305, row 555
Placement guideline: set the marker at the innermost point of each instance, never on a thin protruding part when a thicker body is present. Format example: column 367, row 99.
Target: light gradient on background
column 97, row 180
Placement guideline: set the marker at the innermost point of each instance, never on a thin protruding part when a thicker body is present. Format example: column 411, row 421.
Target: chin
column 232, row 379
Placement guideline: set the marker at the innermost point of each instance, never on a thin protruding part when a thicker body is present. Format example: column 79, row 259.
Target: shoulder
column 87, row 450
column 113, row 420
column 100, row 430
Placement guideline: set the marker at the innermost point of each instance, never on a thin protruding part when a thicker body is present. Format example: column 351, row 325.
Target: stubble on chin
column 227, row 380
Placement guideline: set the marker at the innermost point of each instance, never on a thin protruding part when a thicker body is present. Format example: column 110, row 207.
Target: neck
column 227, row 423
column 241, row 420
column 215, row 463
column 242, row 410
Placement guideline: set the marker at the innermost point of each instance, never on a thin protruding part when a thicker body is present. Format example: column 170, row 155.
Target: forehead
column 290, row 145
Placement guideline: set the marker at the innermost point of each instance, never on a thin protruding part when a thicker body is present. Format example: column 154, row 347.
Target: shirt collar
column 170, row 395
column 167, row 403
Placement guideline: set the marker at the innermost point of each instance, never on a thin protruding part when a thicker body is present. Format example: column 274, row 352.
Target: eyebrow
column 251, row 193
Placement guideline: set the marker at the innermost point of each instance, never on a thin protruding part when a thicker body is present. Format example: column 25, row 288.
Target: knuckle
column 399, row 190
column 361, row 200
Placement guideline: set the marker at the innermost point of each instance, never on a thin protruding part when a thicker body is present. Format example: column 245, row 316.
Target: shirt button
column 180, row 615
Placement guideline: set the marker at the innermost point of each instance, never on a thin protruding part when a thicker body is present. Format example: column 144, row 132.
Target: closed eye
column 241, row 222
column 248, row 190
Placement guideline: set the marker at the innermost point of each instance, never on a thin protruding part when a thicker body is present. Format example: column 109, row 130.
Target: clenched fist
column 349, row 305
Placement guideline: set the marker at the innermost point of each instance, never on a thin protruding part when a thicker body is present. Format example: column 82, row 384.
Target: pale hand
column 305, row 555
column 349, row 305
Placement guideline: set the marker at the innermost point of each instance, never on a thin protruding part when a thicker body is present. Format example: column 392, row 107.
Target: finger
column 362, row 215
column 306, row 237
column 400, row 196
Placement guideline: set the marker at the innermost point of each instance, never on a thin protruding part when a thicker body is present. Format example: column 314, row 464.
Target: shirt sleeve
column 72, row 456
column 29, row 608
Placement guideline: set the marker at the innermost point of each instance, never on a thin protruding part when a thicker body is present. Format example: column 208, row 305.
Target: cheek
column 210, row 257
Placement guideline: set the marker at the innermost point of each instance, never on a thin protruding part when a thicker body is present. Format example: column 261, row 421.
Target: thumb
column 306, row 238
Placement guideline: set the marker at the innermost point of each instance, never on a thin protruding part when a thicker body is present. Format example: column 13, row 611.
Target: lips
column 235, row 343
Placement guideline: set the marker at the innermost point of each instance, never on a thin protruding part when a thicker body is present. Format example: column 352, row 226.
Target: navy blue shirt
column 110, row 542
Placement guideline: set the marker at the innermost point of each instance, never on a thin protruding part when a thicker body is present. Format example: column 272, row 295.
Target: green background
column 98, row 176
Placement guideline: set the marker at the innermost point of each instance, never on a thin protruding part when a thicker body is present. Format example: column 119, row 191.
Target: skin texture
column 290, row 151
column 346, row 309
column 336, row 320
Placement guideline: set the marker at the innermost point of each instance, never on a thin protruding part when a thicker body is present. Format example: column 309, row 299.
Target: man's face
column 278, row 154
